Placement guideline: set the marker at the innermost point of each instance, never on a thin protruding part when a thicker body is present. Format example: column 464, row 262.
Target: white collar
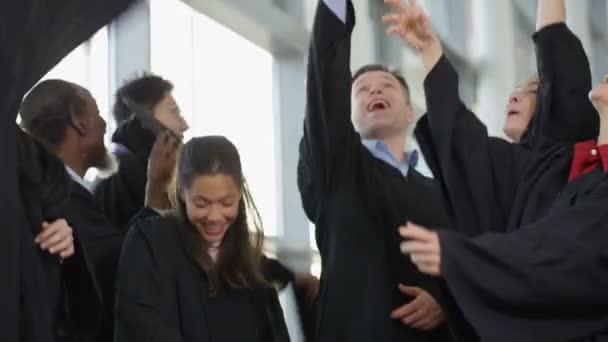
column 76, row 177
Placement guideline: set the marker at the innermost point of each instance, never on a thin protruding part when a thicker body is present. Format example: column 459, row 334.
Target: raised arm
column 563, row 112
column 330, row 142
column 550, row 12
column 478, row 174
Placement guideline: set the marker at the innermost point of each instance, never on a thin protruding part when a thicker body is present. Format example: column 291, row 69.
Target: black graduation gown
column 34, row 36
column 123, row 194
column 161, row 292
column 102, row 241
column 57, row 301
column 357, row 203
column 536, row 268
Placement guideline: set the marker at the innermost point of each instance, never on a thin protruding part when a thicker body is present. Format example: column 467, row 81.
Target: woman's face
column 167, row 112
column 212, row 205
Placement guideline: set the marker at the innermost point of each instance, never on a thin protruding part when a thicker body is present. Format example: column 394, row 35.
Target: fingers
column 416, row 232
column 410, row 290
column 415, row 318
column 68, row 252
column 52, row 233
column 392, row 18
column 397, row 4
column 430, row 269
column 56, row 238
column 406, row 310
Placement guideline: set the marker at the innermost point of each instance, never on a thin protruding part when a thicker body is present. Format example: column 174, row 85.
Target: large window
column 87, row 66
column 223, row 83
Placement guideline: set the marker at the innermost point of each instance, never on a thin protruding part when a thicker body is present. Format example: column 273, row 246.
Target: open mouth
column 512, row 112
column 378, row 105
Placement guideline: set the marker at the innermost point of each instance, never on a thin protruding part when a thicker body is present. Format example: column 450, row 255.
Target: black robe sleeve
column 34, row 36
column 544, row 282
column 330, row 141
column 478, row 173
column 138, row 294
column 563, row 110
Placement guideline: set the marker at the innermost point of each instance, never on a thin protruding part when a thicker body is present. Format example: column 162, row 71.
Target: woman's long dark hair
column 239, row 261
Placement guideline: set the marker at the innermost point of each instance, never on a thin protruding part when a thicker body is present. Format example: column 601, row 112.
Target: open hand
column 423, row 312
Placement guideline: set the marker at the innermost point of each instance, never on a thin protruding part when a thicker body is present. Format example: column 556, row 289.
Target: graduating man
column 536, row 269
column 65, row 117
column 34, row 36
column 358, row 191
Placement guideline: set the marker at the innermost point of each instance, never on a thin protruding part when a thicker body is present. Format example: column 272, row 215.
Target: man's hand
column 56, row 238
column 309, row 283
column 160, row 170
column 423, row 312
column 413, row 26
column 423, row 247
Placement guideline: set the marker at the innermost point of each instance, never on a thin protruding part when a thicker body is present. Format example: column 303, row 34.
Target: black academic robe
column 535, row 266
column 161, row 293
column 59, row 301
column 123, row 194
column 34, row 36
column 357, row 203
column 102, row 241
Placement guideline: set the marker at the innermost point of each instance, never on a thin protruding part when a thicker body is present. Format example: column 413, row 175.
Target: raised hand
column 160, row 169
column 413, row 26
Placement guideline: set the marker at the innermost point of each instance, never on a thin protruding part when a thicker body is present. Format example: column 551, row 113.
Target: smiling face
column 520, row 109
column 212, row 205
column 380, row 105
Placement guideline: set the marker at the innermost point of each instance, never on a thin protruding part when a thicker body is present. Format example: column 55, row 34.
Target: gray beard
column 110, row 166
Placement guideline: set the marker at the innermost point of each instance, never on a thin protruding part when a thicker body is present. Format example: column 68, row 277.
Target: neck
column 396, row 144
column 603, row 137
column 73, row 160
column 213, row 252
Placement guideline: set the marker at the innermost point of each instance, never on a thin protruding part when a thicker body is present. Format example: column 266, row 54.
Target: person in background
column 64, row 117
column 150, row 97
column 34, row 37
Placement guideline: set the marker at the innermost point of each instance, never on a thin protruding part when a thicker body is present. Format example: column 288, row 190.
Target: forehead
column 530, row 82
column 375, row 75
column 88, row 99
column 213, row 184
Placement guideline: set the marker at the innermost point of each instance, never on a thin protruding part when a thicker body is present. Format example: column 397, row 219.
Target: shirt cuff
column 338, row 7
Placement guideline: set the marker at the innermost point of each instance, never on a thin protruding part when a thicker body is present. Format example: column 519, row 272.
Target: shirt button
column 593, row 152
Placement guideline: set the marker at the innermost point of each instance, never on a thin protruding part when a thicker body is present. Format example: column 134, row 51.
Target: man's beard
column 107, row 166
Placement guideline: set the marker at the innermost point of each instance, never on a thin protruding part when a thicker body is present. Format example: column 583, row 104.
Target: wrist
column 431, row 54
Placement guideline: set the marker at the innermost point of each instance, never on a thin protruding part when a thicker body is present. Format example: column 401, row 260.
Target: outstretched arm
column 330, row 146
column 478, row 174
column 563, row 111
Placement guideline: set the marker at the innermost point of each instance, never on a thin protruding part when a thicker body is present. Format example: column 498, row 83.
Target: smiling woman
column 215, row 232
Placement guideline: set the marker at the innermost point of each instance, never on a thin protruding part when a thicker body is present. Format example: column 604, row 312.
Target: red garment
column 588, row 156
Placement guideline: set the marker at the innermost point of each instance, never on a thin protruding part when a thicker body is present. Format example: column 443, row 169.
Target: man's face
column 520, row 109
column 92, row 135
column 379, row 105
